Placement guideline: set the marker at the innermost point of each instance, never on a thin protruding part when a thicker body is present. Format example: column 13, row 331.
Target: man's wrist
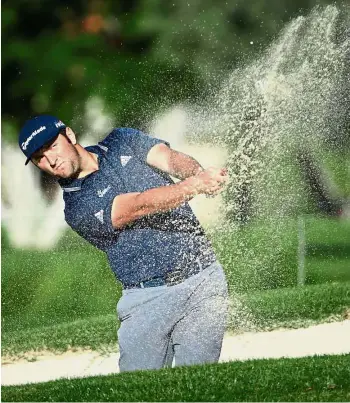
column 190, row 186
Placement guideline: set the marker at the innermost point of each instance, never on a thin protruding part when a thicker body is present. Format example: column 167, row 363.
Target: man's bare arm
column 173, row 162
column 130, row 207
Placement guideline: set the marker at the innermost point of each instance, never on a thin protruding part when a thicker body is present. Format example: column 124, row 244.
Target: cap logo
column 29, row 139
column 59, row 124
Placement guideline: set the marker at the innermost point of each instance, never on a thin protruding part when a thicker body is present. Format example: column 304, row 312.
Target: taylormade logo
column 29, row 139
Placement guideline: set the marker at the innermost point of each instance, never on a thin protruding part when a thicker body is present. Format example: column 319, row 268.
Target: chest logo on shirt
column 99, row 216
column 101, row 193
column 124, row 159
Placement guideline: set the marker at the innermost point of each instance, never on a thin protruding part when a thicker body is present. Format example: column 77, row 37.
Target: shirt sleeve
column 90, row 217
column 140, row 142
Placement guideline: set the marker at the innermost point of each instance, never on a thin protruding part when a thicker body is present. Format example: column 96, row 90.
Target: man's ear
column 71, row 135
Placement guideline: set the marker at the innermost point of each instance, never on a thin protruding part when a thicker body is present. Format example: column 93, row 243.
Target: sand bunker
column 328, row 338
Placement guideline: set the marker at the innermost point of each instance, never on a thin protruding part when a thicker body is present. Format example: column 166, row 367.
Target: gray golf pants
column 182, row 324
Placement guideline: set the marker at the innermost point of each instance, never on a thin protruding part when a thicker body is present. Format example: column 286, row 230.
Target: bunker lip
column 31, row 355
column 302, row 342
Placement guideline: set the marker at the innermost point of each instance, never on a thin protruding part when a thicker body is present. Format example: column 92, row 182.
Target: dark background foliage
column 138, row 55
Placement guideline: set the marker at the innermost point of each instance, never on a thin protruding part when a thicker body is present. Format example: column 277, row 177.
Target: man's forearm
column 131, row 206
column 183, row 166
column 165, row 198
column 173, row 162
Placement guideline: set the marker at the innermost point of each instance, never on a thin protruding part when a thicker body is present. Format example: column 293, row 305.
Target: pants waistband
column 172, row 278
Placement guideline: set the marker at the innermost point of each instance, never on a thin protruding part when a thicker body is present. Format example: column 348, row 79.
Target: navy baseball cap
column 36, row 132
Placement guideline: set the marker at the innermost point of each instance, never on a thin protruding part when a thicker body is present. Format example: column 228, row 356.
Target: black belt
column 172, row 278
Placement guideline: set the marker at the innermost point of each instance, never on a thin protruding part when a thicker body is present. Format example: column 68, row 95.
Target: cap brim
column 27, row 162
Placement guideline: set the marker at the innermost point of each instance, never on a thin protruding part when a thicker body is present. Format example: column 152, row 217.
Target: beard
column 70, row 167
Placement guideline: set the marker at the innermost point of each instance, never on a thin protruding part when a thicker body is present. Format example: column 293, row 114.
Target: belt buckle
column 174, row 277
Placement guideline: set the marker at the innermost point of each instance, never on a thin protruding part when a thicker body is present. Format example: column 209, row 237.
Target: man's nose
column 51, row 157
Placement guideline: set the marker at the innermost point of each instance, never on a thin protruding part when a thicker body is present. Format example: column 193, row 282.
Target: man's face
column 59, row 158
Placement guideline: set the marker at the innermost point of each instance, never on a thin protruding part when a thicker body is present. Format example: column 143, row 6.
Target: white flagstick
column 301, row 251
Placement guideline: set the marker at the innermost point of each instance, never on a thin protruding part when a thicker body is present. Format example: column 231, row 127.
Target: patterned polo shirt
column 149, row 247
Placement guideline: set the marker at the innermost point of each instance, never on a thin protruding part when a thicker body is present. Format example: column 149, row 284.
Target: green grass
column 259, row 256
column 44, row 288
column 337, row 166
column 263, row 255
column 284, row 307
column 325, row 378
column 289, row 307
column 328, row 251
column 327, row 271
column 327, row 231
column 94, row 333
column 74, row 282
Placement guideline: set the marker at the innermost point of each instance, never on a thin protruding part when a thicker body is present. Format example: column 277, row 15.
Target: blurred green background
column 138, row 55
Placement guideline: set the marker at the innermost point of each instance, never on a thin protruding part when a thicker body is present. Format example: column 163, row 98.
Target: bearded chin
column 74, row 170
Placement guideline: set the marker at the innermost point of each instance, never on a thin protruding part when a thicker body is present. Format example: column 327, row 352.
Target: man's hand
column 210, row 181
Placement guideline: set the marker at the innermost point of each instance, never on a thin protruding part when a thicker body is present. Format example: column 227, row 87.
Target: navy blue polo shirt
column 150, row 246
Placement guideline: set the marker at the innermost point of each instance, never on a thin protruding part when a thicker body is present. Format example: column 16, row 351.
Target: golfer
column 120, row 197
